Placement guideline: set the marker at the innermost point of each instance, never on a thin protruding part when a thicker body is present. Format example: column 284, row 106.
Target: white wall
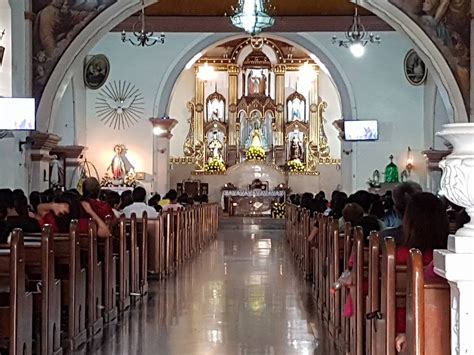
column 377, row 83
column 6, row 67
column 381, row 92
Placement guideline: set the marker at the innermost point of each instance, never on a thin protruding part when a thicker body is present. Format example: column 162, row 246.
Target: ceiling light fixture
column 252, row 16
column 356, row 37
column 142, row 38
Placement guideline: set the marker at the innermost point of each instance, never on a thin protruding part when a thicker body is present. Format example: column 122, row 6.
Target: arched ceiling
column 283, row 8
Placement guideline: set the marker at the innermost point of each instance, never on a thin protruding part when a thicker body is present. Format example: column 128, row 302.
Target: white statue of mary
column 256, row 137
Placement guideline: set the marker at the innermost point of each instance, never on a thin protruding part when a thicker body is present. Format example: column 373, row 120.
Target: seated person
column 401, row 196
column 425, row 227
column 139, row 205
column 154, row 202
column 351, row 213
column 21, row 220
column 90, row 193
column 112, row 198
column 125, row 199
column 67, row 207
column 173, row 205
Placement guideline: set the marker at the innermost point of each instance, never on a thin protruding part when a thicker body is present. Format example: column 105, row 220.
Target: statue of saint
column 391, row 171
column 256, row 138
column 296, row 150
column 120, row 166
column 262, row 87
column 215, row 147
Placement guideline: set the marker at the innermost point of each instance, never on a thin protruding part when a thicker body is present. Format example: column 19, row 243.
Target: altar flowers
column 255, row 153
column 296, row 166
column 215, row 166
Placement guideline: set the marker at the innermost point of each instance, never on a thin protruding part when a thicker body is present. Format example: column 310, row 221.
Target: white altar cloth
column 250, row 193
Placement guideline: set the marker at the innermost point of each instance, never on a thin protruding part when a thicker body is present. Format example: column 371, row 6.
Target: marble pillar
column 456, row 264
column 161, row 153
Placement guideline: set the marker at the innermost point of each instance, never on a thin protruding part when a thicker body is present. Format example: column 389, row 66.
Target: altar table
column 250, row 202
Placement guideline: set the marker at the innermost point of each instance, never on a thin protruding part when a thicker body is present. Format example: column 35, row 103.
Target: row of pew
column 378, row 287
column 59, row 291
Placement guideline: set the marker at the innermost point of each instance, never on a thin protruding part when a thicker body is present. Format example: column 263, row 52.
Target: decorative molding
column 44, row 141
column 222, row 24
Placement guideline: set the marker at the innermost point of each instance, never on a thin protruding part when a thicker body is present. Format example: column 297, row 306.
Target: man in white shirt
column 139, row 205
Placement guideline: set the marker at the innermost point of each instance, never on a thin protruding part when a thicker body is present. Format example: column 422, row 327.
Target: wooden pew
column 156, row 247
column 358, row 321
column 16, row 304
column 109, row 261
column 72, row 274
column 428, row 311
column 335, row 257
column 373, row 297
column 122, row 250
column 40, row 267
column 94, row 296
column 142, row 237
column 345, row 335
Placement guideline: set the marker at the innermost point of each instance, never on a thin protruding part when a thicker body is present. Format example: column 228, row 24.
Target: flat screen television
column 17, row 113
column 366, row 130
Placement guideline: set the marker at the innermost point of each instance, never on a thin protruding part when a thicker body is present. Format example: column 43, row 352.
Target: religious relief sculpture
column 215, row 105
column 296, row 108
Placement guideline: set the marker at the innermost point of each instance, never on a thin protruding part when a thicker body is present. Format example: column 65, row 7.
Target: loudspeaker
column 2, row 51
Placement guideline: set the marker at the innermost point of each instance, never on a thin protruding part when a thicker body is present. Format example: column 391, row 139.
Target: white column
column 161, row 153
column 457, row 263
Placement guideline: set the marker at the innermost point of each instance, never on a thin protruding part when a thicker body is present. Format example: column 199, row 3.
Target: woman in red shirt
column 425, row 227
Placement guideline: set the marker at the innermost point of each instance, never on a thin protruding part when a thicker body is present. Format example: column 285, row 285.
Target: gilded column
column 314, row 119
column 233, row 71
column 279, row 71
column 199, row 110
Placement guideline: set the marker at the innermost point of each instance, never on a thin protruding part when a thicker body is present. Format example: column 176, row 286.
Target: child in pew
column 425, row 227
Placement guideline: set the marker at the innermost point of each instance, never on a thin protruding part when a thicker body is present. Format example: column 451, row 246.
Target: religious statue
column 256, row 138
column 120, row 166
column 215, row 147
column 391, row 171
column 296, row 150
column 262, row 87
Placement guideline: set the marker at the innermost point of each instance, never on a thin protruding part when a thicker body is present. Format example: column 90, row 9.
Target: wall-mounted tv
column 366, row 130
column 17, row 113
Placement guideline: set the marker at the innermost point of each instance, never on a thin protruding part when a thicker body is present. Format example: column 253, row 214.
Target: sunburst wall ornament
column 120, row 105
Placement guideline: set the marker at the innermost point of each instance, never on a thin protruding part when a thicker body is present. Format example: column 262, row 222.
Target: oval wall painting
column 414, row 68
column 96, row 71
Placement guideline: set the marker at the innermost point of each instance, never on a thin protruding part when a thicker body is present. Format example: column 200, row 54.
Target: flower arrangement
column 215, row 166
column 130, row 180
column 278, row 210
column 255, row 153
column 296, row 166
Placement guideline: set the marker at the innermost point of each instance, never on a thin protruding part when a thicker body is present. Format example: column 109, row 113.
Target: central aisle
column 240, row 296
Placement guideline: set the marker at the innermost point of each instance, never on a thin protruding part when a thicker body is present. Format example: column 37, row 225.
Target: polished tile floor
column 240, row 296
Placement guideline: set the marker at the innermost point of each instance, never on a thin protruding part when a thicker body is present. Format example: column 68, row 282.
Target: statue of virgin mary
column 256, row 137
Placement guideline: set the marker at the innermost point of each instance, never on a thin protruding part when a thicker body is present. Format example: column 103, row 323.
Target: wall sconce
column 409, row 164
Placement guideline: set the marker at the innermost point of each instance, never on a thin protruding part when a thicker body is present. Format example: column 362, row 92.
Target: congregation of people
column 58, row 208
column 413, row 218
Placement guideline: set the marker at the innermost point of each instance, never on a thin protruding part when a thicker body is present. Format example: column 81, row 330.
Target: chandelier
column 356, row 37
column 142, row 38
column 252, row 16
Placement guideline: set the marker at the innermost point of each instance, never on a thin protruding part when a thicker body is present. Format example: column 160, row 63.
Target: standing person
column 139, row 205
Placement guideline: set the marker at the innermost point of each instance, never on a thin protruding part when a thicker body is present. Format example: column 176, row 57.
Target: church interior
column 236, row 177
